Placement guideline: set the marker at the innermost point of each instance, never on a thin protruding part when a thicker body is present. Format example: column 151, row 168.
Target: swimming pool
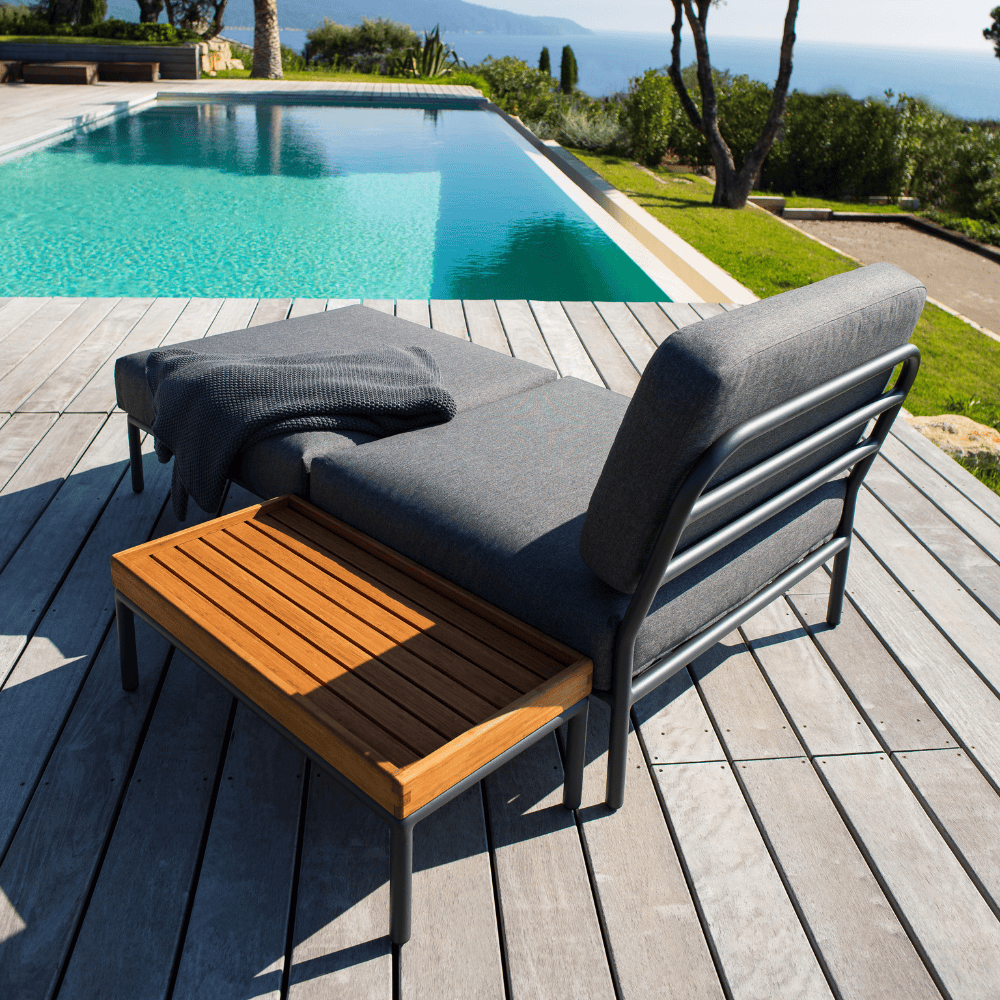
column 267, row 199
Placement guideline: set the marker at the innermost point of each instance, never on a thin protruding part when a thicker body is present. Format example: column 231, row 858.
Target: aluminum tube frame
column 400, row 828
column 658, row 566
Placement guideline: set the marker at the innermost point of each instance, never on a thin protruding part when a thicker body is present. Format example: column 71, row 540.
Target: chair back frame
column 692, row 503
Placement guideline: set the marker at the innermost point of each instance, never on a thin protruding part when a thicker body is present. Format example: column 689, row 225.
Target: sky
column 925, row 24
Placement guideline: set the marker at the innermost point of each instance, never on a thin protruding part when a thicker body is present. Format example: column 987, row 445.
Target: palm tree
column 266, row 44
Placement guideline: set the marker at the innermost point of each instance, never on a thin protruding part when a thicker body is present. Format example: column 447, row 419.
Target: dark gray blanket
column 210, row 407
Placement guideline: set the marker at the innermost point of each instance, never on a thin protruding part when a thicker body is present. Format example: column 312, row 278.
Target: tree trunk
column 266, row 45
column 149, row 11
column 732, row 186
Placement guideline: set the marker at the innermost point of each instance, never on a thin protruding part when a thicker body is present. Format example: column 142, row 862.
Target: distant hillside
column 452, row 15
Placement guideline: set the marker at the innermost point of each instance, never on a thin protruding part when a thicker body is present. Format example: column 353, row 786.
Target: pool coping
column 706, row 281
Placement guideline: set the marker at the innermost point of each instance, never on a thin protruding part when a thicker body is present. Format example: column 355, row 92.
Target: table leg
column 400, row 881
column 125, row 618
column 576, row 757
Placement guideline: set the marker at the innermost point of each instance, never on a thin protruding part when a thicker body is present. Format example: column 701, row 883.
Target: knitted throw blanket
column 210, row 407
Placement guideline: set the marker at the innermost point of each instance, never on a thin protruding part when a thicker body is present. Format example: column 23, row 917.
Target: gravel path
column 959, row 278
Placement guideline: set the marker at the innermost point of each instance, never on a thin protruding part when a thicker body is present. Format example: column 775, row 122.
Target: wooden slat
column 955, row 691
column 862, row 942
column 366, row 622
column 306, row 307
column 554, row 946
column 975, row 632
column 981, row 528
column 54, row 661
column 965, row 805
column 41, row 475
column 34, row 330
column 649, row 918
column 16, row 311
column 629, row 333
column 322, row 623
column 824, row 718
column 341, row 944
column 969, row 563
column 455, row 948
column 340, row 303
column 958, row 931
column 382, row 305
column 614, row 367
column 567, row 351
column 29, row 580
column 21, row 382
column 484, row 325
column 270, row 311
column 194, row 322
column 757, row 936
column 18, row 436
column 654, row 321
column 56, row 392
column 706, row 310
column 679, row 313
column 751, row 723
column 129, row 937
column 234, row 946
column 963, row 480
column 675, row 727
column 526, row 342
column 415, row 310
column 234, row 314
column 516, row 640
column 250, row 664
column 98, row 395
column 448, row 317
column 48, row 870
column 891, row 704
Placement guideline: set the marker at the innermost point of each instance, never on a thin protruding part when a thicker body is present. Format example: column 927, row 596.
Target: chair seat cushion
column 495, row 501
column 473, row 375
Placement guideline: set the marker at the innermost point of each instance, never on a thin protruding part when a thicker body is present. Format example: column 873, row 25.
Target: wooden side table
column 406, row 688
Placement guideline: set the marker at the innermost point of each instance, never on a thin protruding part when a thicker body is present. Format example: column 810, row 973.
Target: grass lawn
column 959, row 365
column 794, row 201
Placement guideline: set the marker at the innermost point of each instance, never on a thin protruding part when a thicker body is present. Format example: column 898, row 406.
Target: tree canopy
column 992, row 33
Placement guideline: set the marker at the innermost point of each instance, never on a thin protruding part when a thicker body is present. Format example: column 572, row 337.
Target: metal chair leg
column 576, row 757
column 400, row 881
column 835, row 607
column 135, row 458
column 125, row 619
column 617, row 754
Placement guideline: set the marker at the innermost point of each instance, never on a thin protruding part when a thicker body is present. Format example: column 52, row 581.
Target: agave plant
column 431, row 59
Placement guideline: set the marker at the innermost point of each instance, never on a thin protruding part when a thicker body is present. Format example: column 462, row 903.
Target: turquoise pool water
column 277, row 200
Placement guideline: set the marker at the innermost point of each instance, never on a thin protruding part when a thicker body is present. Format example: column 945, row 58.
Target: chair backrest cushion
column 713, row 375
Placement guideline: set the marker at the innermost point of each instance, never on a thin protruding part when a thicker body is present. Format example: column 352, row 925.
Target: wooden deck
column 811, row 812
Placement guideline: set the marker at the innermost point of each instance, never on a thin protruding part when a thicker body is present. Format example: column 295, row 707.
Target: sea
column 962, row 82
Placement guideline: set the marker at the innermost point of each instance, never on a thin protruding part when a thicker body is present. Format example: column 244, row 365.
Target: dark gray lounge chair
column 641, row 532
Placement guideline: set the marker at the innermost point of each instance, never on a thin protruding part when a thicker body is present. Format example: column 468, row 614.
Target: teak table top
column 400, row 680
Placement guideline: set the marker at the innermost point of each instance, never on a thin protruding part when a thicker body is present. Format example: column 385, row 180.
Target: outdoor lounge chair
column 636, row 532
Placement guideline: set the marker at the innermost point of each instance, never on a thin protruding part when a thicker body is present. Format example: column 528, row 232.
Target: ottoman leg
column 125, row 619
column 576, row 757
column 135, row 458
column 400, row 881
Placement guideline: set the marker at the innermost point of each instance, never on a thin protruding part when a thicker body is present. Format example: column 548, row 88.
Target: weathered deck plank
column 644, row 902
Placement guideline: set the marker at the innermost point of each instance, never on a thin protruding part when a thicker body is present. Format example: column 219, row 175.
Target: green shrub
column 377, row 46
column 518, row 88
column 973, row 228
column 467, row 78
column 649, row 116
column 16, row 20
column 591, row 126
column 833, row 145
